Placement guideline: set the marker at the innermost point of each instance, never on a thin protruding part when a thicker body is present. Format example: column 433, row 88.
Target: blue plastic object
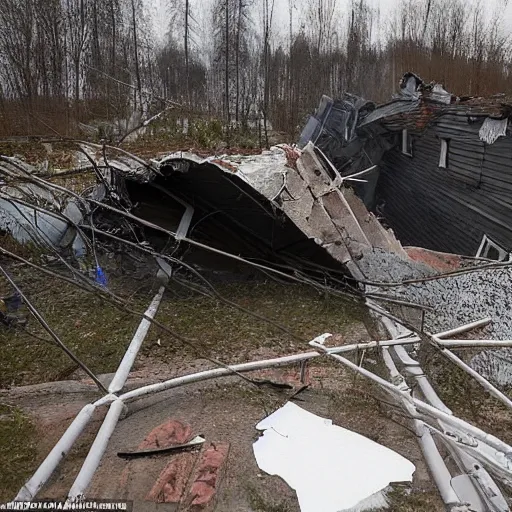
column 101, row 278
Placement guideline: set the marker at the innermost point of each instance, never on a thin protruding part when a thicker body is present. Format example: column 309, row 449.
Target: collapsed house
column 289, row 213
column 443, row 164
column 435, row 168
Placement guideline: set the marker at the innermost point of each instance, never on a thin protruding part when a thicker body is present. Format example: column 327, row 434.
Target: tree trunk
column 237, row 56
column 136, row 56
column 226, row 78
column 187, row 67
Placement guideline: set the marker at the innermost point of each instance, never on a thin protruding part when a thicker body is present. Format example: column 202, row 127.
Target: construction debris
column 331, row 468
column 193, row 443
column 302, row 216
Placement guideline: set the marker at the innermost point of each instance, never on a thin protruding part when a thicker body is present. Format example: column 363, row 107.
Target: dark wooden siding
column 450, row 209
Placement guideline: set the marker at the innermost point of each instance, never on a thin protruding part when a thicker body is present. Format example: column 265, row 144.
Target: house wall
column 449, row 209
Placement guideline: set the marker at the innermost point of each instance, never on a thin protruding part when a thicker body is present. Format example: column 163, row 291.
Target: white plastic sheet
column 493, row 129
column 331, row 468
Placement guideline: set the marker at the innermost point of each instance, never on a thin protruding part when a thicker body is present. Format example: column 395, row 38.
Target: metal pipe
column 396, row 377
column 93, row 459
column 413, row 368
column 428, row 409
column 464, row 328
column 361, row 173
column 437, row 466
column 426, row 388
column 483, row 452
column 405, row 358
column 29, row 491
column 248, row 367
column 126, row 364
column 435, row 462
column 481, row 380
column 438, row 469
column 474, row 343
column 479, row 476
column 488, row 459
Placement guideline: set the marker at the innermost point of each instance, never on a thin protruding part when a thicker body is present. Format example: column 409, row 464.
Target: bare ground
column 227, row 410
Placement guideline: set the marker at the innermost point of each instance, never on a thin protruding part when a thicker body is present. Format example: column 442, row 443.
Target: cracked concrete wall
column 324, row 211
column 455, row 300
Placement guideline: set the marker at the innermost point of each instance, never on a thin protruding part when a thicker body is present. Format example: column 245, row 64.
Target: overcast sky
column 385, row 7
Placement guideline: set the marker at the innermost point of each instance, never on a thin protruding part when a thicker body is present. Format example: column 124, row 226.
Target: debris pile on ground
column 290, row 216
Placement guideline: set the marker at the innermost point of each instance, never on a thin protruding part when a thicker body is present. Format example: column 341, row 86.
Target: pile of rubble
column 291, row 214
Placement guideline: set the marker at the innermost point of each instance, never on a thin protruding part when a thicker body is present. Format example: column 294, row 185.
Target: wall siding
column 449, row 209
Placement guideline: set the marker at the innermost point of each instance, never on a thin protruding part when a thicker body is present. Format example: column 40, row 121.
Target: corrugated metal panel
column 391, row 109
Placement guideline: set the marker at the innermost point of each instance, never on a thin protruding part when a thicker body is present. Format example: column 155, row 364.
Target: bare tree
column 268, row 17
column 88, row 60
column 78, row 37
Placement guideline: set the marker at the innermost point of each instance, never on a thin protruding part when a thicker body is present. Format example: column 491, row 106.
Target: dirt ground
column 43, row 391
column 225, row 411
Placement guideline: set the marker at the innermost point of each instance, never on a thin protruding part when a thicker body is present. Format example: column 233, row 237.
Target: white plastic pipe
column 93, row 459
column 485, row 455
column 428, row 409
column 256, row 365
column 474, row 343
column 440, row 473
column 426, row 388
column 413, row 368
column 495, row 392
column 467, row 463
column 29, row 491
column 126, row 364
column 396, row 377
column 464, row 328
column 435, row 462
column 438, row 469
column 404, row 356
column 500, row 469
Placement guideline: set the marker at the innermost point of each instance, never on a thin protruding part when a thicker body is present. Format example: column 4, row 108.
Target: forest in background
column 67, row 65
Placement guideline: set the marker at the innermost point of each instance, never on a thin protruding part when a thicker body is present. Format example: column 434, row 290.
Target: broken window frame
column 487, row 245
column 444, row 153
column 406, row 143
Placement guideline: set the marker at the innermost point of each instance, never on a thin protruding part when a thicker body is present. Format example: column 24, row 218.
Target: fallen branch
column 144, row 124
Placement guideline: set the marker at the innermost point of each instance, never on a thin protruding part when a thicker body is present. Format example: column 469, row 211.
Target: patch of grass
column 17, row 450
column 28, row 250
column 224, row 331
column 415, row 501
column 96, row 332
column 259, row 504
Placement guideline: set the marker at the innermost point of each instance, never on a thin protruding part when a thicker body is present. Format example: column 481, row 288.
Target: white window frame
column 406, row 142
column 443, row 156
column 487, row 244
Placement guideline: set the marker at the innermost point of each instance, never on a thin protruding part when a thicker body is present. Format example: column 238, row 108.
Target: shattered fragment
column 331, row 468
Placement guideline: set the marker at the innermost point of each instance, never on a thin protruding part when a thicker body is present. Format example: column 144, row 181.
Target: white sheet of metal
column 331, row 468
